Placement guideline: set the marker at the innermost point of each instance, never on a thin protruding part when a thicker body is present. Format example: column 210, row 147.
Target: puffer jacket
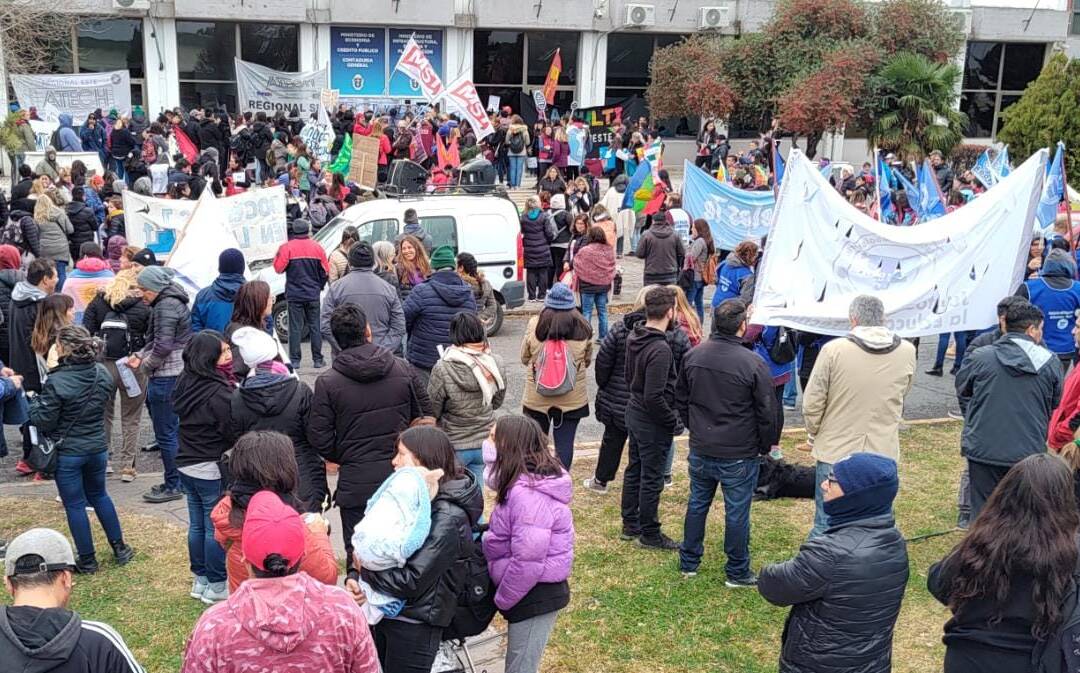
column 8, row 279
column 31, row 232
column 167, row 333
column 213, row 305
column 431, row 579
column 458, row 402
column 613, row 394
column 576, row 399
column 282, row 404
column 428, row 311
column 486, row 305
column 83, row 226
column 133, row 309
column 845, row 588
column 359, row 407
column 530, row 537
column 72, row 404
column 537, row 234
column 54, row 233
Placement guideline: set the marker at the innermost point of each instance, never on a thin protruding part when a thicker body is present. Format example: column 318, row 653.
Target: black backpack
column 116, row 335
column 517, row 142
column 782, row 349
column 12, row 233
column 476, row 599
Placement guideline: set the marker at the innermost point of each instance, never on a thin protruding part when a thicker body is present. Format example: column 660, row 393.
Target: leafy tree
column 689, row 80
column 917, row 26
column 1048, row 111
column 916, row 112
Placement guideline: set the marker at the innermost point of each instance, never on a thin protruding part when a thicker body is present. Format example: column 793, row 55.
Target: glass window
column 1023, row 63
column 443, row 230
column 274, row 45
column 111, row 44
column 208, row 94
column 378, row 230
column 979, row 108
column 542, row 48
column 628, row 56
column 982, row 65
column 63, row 60
column 1006, row 100
column 206, row 49
column 1074, row 26
column 497, row 56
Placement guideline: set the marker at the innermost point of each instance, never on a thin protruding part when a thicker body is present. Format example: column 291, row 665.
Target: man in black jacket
column 845, row 586
column 360, row 406
column 651, row 420
column 83, row 222
column 37, row 631
column 725, row 397
column 1007, row 391
column 20, row 192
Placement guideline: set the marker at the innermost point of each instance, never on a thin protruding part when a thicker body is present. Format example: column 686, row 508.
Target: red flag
column 553, row 77
column 187, row 148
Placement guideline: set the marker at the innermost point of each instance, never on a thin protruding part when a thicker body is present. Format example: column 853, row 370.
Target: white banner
column 77, row 95
column 414, row 63
column 195, row 257
column 43, row 132
column 461, row 96
column 90, row 159
column 256, row 219
column 318, row 136
column 155, row 223
column 294, row 93
column 947, row 276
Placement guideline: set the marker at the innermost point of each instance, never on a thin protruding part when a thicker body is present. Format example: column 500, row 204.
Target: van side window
column 443, row 230
column 378, row 230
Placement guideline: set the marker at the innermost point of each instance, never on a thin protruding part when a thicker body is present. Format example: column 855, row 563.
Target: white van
column 485, row 225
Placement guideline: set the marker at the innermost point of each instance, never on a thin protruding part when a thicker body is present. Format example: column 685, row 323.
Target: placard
column 364, row 167
column 328, row 98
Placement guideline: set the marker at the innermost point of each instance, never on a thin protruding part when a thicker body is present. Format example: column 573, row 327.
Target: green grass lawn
column 631, row 610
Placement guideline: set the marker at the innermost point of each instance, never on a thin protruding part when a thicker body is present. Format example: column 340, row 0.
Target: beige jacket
column 855, row 397
column 576, row 398
column 339, row 263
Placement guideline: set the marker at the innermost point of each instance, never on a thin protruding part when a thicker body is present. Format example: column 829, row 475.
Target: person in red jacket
column 1066, row 418
column 306, row 269
column 385, row 148
column 363, row 124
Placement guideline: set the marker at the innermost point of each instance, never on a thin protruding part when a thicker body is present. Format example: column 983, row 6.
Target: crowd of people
column 411, row 411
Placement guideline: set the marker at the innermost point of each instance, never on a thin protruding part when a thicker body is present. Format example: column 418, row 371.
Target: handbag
column 44, row 450
column 686, row 276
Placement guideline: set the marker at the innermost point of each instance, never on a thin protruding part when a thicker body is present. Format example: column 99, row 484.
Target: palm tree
column 916, row 112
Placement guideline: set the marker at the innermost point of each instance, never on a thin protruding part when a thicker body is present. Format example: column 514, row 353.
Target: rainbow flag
column 761, row 177
column 639, row 191
column 721, row 173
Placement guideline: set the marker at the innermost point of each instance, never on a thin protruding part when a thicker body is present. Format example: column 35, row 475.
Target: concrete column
column 159, row 53
column 591, row 68
column 309, row 52
column 457, row 53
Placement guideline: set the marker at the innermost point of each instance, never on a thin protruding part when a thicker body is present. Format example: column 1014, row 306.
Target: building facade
column 180, row 52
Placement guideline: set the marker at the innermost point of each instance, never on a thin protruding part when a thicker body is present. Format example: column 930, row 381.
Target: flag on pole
column 447, row 155
column 552, row 80
column 344, row 157
column 1053, row 189
column 721, row 173
column 778, row 166
column 639, row 191
column 931, row 201
column 983, row 169
column 1002, row 166
column 882, row 180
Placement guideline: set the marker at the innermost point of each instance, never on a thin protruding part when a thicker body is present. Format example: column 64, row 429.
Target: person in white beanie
column 272, row 398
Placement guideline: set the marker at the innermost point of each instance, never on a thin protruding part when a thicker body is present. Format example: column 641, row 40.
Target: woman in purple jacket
column 530, row 542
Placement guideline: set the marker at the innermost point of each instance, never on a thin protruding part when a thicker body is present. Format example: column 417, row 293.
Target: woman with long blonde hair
column 55, row 229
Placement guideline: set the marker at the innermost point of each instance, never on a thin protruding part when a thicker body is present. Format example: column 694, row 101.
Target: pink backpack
column 554, row 369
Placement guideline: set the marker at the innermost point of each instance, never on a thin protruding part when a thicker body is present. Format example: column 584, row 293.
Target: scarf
column 594, row 264
column 482, row 365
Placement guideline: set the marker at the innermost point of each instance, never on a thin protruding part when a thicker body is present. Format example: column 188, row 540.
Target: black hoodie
column 651, row 374
column 203, row 405
column 55, row 640
column 359, row 407
column 432, row 577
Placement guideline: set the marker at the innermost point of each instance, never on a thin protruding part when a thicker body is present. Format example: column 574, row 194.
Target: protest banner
column 260, row 89
column 364, row 166
column 77, row 95
column 202, row 240
column 318, row 136
column 414, row 63
column 255, row 219
column 602, row 120
column 734, row 215
column 91, row 160
column 159, row 178
column 461, row 97
column 947, row 276
column 328, row 99
column 43, row 132
column 155, row 223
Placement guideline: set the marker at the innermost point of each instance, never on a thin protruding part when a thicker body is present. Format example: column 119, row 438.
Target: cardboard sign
column 328, row 98
column 364, row 167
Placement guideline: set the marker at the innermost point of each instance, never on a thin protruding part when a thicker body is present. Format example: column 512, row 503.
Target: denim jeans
column 61, row 274
column 118, row 167
column 304, row 314
column 473, row 461
column 588, row 299
column 166, row 425
column 81, row 481
column 791, row 392
column 943, row 345
column 517, row 167
column 737, row 479
column 697, row 299
column 206, row 555
column 643, row 479
column 821, row 522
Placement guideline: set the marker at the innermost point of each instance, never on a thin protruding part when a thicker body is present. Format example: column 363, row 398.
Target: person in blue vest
column 734, row 275
column 1057, row 294
column 213, row 305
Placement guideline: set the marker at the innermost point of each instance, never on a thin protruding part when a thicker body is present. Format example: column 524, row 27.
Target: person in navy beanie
column 845, row 586
column 214, row 304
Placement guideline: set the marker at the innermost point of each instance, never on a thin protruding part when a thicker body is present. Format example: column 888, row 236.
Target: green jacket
column 71, row 407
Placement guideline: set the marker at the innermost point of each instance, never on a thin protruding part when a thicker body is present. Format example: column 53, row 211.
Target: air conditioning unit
column 131, row 4
column 966, row 26
column 714, row 18
column 640, row 15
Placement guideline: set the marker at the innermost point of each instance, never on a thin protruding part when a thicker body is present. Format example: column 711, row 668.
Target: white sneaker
column 198, row 588
column 108, row 468
column 215, row 593
column 595, row 486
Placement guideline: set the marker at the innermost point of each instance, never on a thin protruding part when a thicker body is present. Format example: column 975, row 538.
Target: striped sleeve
column 110, row 636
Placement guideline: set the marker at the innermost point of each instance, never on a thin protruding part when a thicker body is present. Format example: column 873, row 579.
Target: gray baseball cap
column 52, row 547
